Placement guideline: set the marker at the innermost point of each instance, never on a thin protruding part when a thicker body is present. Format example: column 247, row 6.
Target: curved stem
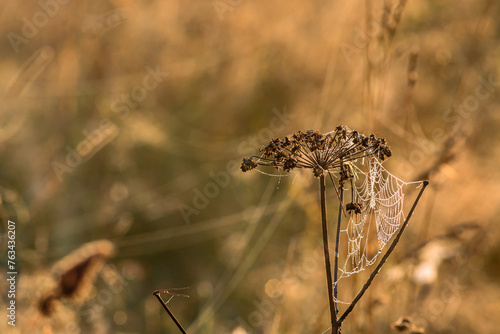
column 326, row 249
column 337, row 239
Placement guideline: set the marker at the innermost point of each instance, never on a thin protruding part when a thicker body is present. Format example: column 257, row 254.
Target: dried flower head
column 319, row 152
column 76, row 272
column 335, row 154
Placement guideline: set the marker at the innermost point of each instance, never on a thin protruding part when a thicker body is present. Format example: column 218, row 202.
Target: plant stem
column 326, row 249
column 337, row 239
column 386, row 256
column 157, row 295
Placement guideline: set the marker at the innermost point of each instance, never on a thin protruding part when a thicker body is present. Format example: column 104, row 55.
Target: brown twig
column 326, row 249
column 162, row 302
column 337, row 241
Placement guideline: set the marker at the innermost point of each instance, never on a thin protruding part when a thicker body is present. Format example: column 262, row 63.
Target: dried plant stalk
column 326, row 249
column 331, row 154
column 158, row 293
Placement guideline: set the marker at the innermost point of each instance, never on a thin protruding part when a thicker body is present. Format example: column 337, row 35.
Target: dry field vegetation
column 123, row 125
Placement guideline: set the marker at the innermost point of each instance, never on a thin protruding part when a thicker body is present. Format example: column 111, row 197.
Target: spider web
column 381, row 196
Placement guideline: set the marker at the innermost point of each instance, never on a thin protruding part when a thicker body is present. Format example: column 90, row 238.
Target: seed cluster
column 319, row 152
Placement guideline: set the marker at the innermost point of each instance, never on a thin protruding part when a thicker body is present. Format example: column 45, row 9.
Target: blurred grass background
column 240, row 73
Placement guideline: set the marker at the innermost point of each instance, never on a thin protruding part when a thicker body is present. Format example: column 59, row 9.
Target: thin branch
column 384, row 259
column 157, row 295
column 326, row 249
column 337, row 240
column 337, row 191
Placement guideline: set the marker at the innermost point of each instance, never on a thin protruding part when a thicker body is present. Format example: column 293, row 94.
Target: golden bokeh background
column 127, row 120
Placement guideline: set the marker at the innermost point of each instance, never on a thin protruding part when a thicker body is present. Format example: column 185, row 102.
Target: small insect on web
column 375, row 214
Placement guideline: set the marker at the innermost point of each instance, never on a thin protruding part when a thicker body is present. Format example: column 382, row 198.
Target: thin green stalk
column 326, row 249
column 384, row 259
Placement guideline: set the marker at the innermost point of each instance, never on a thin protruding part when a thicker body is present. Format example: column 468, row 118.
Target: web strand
column 381, row 197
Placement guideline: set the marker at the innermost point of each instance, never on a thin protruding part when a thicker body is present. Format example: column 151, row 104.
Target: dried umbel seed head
column 248, row 164
column 289, row 164
column 319, row 152
column 76, row 272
